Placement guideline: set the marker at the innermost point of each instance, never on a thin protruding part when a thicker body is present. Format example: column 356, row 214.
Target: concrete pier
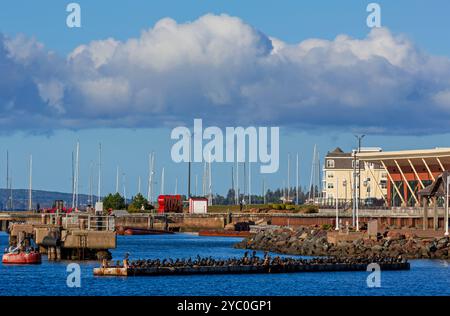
column 76, row 236
column 245, row 269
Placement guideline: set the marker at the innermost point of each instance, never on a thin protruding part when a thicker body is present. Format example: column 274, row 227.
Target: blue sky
column 424, row 24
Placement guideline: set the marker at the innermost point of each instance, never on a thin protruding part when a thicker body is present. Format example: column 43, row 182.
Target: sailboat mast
column 77, row 175
column 196, row 184
column 117, row 179
column 264, row 190
column 289, row 176
column 232, row 181
column 210, row 181
column 139, row 184
column 296, row 181
column 249, row 183
column 30, row 202
column 99, row 191
column 91, row 183
column 311, row 181
column 8, row 204
column 151, row 167
column 162, row 181
column 237, row 176
column 124, row 180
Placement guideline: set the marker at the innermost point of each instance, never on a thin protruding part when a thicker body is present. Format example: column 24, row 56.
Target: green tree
column 139, row 203
column 114, row 201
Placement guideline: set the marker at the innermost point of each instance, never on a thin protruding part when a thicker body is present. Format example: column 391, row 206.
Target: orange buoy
column 22, row 258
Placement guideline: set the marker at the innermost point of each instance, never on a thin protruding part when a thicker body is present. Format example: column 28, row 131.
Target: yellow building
column 340, row 172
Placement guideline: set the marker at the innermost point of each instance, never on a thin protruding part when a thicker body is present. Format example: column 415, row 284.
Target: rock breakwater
column 308, row 241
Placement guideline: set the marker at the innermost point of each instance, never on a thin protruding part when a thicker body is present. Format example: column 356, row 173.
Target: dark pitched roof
column 437, row 188
column 338, row 152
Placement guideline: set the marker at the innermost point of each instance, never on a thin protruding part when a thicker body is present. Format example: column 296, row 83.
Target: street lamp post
column 446, row 206
column 358, row 186
column 337, row 204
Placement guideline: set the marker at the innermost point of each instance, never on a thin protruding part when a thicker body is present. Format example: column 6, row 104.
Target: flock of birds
column 248, row 260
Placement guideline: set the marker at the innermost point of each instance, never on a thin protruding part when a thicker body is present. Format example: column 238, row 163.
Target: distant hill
column 45, row 199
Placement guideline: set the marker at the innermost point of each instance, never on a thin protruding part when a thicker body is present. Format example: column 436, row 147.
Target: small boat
column 223, row 233
column 21, row 257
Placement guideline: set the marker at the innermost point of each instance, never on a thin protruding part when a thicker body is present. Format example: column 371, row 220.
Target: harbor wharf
column 405, row 218
column 75, row 236
column 402, row 218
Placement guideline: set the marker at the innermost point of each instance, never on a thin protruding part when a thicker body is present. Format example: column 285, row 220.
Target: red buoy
column 22, row 258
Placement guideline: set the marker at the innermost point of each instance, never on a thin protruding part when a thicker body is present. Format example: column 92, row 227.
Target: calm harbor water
column 426, row 277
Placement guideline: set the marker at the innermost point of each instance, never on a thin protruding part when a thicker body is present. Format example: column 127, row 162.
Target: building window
column 330, row 185
column 384, row 174
column 353, row 163
column 383, row 184
column 330, row 163
column 330, row 175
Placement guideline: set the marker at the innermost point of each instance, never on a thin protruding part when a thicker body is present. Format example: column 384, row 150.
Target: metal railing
column 81, row 221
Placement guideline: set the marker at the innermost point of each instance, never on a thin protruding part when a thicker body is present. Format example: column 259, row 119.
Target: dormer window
column 330, row 163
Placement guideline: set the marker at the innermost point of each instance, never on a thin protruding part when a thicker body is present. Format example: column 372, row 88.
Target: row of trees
column 116, row 201
column 271, row 197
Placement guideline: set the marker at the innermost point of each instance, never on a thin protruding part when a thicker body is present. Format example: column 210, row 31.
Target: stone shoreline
column 310, row 241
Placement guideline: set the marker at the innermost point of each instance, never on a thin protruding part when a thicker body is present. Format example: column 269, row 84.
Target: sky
column 133, row 71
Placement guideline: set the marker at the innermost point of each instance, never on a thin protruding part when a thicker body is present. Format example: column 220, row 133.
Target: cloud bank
column 225, row 71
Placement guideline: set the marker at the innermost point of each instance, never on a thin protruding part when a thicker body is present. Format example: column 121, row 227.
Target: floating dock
column 244, row 269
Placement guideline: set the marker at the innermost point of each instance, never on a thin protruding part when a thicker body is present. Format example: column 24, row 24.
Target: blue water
column 426, row 277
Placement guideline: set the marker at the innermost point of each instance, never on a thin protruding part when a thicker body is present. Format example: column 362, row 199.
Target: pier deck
column 244, row 269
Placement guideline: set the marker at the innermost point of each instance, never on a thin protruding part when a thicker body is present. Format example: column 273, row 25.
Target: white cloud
column 223, row 70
